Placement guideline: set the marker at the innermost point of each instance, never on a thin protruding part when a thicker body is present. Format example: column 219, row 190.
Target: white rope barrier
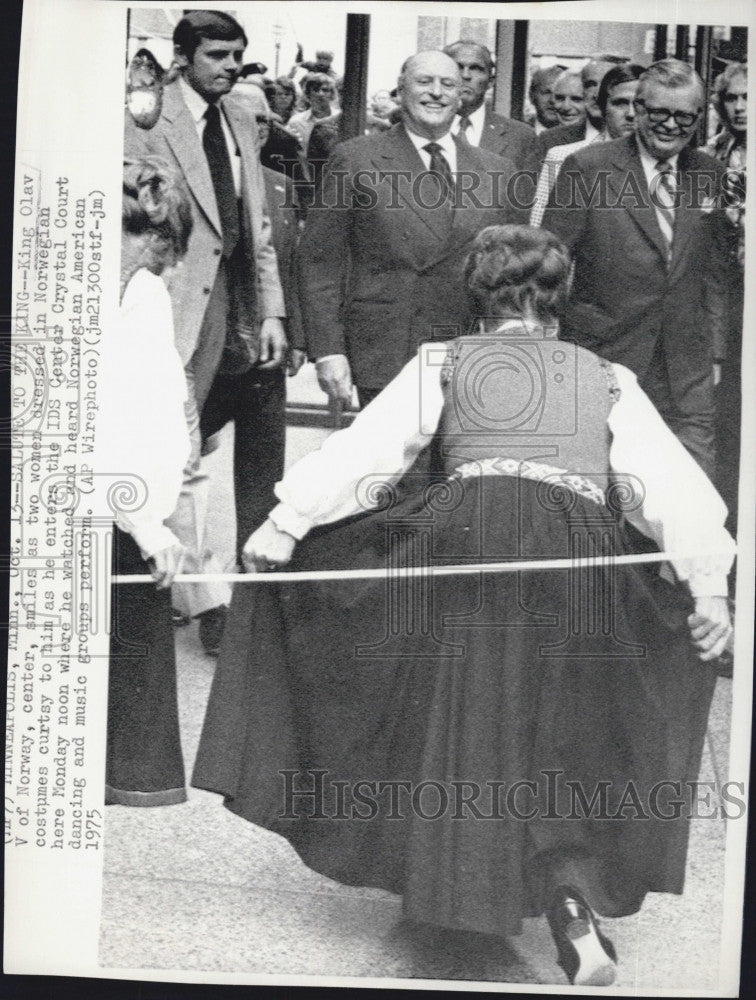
column 380, row 573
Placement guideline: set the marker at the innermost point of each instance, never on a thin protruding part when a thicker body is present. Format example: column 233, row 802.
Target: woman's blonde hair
column 156, row 200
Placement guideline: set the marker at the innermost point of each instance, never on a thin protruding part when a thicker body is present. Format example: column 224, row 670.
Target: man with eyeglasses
column 319, row 91
column 643, row 220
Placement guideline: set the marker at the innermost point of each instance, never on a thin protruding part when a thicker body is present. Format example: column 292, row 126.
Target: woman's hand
column 268, row 548
column 165, row 564
column 710, row 626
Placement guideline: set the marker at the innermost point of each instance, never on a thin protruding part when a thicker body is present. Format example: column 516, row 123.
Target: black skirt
column 144, row 764
column 447, row 739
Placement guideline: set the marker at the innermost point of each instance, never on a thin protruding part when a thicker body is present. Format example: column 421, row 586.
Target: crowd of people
column 599, row 247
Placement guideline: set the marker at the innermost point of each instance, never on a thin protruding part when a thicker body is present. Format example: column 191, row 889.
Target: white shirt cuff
column 150, row 536
column 328, row 357
column 286, row 519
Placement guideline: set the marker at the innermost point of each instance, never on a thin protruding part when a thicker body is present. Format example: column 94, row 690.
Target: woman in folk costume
column 434, row 736
column 143, row 445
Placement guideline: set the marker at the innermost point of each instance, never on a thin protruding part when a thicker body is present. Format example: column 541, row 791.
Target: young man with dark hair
column 228, row 304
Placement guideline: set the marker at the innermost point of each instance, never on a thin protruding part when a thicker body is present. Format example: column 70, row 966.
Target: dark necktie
column 665, row 201
column 464, row 125
column 439, row 166
column 216, row 151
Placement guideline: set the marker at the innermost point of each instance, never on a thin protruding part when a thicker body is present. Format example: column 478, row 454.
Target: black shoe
column 587, row 956
column 211, row 626
column 178, row 619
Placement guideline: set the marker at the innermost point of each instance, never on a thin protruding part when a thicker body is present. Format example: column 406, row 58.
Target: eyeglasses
column 683, row 119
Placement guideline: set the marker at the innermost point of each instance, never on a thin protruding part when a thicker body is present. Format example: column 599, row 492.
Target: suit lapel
column 181, row 135
column 628, row 182
column 468, row 220
column 492, row 134
column 240, row 129
column 396, row 154
column 687, row 212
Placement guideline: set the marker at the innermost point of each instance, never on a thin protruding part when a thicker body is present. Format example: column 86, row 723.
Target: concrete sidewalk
column 192, row 887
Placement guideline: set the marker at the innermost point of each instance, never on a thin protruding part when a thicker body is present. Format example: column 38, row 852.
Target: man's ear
column 179, row 58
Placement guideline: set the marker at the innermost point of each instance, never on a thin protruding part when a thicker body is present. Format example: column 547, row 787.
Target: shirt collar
column 196, row 104
column 446, row 142
column 477, row 118
column 591, row 132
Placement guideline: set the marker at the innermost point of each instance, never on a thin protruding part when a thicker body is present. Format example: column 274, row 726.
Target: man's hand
column 267, row 548
column 295, row 360
column 335, row 378
column 710, row 626
column 273, row 343
column 164, row 565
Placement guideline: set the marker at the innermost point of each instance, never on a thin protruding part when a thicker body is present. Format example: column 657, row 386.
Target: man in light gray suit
column 227, row 299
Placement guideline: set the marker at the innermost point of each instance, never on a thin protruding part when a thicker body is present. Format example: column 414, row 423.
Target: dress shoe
column 211, row 625
column 587, row 956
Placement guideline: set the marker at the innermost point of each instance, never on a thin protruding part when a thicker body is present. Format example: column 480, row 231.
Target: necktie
column 664, row 201
column 216, row 151
column 439, row 166
column 464, row 125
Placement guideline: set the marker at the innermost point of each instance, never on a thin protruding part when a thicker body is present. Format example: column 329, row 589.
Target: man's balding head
column 592, row 74
column 428, row 86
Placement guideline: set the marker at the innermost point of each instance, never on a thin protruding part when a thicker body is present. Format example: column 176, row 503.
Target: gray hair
column 485, row 52
column 672, row 73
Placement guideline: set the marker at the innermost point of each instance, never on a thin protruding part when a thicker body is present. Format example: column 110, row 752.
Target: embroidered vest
column 535, row 405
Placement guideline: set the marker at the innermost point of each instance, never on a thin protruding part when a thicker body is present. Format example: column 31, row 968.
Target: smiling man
column 476, row 122
column 641, row 218
column 577, row 105
column 382, row 252
column 228, row 306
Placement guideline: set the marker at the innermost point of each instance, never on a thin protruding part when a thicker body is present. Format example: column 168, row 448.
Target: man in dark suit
column 228, row 303
column 480, row 126
column 589, row 128
column 640, row 217
column 382, row 253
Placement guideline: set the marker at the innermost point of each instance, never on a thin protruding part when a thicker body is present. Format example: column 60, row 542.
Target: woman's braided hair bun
column 511, row 267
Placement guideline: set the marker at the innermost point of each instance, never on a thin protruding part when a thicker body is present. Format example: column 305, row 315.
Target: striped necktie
column 665, row 193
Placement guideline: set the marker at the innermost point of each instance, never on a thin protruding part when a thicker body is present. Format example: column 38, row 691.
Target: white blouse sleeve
column 142, row 438
column 680, row 510
column 343, row 477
